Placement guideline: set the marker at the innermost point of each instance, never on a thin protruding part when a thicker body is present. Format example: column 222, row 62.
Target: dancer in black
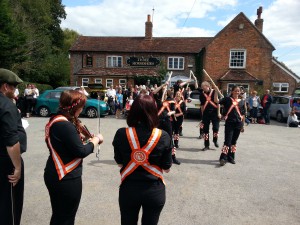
column 234, row 115
column 209, row 109
column 178, row 117
column 166, row 110
column 68, row 142
column 143, row 152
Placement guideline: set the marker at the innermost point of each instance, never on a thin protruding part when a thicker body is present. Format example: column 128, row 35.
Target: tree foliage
column 32, row 42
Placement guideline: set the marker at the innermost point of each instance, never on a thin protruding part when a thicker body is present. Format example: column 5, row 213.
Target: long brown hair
column 70, row 101
column 143, row 110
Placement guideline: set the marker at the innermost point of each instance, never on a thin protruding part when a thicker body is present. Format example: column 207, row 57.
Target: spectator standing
column 111, row 95
column 119, row 103
column 254, row 102
column 266, row 102
column 28, row 93
column 13, row 142
column 36, row 94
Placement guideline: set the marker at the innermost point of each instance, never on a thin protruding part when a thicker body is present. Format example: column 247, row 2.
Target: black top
column 209, row 107
column 233, row 116
column 11, row 129
column 68, row 145
column 160, row 156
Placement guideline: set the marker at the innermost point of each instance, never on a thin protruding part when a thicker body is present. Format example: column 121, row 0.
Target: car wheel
column 44, row 111
column 279, row 117
column 91, row 113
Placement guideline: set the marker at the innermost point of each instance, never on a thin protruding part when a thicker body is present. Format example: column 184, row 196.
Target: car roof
column 67, row 88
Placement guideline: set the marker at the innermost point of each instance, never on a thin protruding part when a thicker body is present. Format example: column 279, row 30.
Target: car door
column 53, row 101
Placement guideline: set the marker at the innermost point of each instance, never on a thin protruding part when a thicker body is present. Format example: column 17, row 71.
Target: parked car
column 48, row 103
column 193, row 104
column 97, row 90
column 281, row 107
column 67, row 88
column 296, row 92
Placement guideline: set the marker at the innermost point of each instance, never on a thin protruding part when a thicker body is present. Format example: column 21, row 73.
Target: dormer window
column 89, row 61
column 237, row 59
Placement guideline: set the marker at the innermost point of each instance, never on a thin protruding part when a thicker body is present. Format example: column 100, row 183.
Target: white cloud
column 127, row 17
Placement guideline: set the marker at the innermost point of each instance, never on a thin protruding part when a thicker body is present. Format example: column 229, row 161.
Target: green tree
column 12, row 38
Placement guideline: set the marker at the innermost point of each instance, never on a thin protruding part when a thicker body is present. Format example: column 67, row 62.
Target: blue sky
column 188, row 18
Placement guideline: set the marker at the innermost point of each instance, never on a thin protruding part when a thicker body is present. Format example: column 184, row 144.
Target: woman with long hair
column 68, row 142
column 234, row 115
column 143, row 152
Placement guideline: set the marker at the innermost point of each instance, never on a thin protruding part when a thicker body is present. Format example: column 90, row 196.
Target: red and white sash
column 61, row 168
column 139, row 156
column 208, row 100
column 235, row 104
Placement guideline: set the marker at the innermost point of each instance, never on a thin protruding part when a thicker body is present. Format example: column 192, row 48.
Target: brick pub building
column 238, row 54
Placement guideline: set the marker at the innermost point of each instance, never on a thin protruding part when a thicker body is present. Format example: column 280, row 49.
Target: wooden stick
column 216, row 87
column 169, row 80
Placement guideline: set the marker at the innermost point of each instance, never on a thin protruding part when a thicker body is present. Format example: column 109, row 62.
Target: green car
column 48, row 103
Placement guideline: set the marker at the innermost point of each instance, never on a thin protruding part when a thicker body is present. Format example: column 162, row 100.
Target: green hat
column 7, row 76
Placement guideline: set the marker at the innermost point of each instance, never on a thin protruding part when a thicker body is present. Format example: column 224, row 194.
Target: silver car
column 281, row 107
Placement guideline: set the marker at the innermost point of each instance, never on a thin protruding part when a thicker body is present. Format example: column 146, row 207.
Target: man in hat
column 12, row 144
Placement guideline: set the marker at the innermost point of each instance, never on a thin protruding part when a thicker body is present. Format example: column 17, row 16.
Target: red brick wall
column 258, row 51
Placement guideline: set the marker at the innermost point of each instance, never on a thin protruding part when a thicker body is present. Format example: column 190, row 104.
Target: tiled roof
column 116, row 71
column 238, row 75
column 139, row 44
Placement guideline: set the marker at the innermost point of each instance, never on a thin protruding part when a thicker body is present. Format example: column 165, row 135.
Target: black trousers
column 11, row 198
column 176, row 124
column 65, row 198
column 232, row 133
column 210, row 116
column 151, row 196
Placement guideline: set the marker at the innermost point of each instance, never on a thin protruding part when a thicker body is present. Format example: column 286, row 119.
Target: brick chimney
column 148, row 28
column 259, row 22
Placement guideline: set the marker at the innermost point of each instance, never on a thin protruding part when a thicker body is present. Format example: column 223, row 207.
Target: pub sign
column 143, row 62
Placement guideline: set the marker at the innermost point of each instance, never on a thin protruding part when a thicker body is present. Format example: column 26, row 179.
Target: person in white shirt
column 292, row 120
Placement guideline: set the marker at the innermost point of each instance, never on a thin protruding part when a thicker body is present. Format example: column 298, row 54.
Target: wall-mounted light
column 241, row 26
column 190, row 66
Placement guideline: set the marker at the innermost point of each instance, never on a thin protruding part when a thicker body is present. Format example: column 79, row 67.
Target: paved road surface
column 263, row 188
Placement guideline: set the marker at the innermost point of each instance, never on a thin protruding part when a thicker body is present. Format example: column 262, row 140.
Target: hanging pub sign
column 142, row 62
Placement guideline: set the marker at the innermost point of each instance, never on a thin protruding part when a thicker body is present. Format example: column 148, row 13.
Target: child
column 292, row 120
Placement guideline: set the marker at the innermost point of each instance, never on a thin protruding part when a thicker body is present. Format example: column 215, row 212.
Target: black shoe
column 180, row 133
column 200, row 137
column 231, row 160
column 216, row 144
column 175, row 161
column 205, row 148
column 176, row 146
column 222, row 162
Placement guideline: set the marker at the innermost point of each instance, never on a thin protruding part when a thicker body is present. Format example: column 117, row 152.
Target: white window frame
column 109, row 82
column 235, row 59
column 85, row 81
column 98, row 80
column 281, row 86
column 114, row 61
column 175, row 65
column 122, row 82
